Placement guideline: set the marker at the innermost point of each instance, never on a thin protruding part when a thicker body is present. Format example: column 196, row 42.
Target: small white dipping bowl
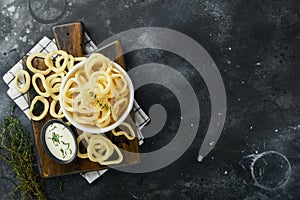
column 95, row 129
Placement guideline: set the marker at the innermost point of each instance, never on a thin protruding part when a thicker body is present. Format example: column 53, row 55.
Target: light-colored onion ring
column 52, row 110
column 84, row 136
column 27, row 81
column 130, row 136
column 34, row 70
column 99, row 149
column 54, row 82
column 71, row 62
column 44, row 83
column 58, row 67
column 45, row 111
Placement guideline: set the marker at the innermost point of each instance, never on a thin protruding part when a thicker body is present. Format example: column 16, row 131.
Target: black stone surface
column 256, row 46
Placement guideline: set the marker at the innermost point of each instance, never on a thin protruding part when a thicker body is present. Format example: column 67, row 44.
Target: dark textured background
column 256, row 46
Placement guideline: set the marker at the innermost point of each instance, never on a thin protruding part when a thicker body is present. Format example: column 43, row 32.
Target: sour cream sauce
column 60, row 141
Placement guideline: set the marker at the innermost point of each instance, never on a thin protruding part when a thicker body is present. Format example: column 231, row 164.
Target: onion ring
column 34, row 70
column 130, row 136
column 99, row 149
column 27, row 81
column 52, row 110
column 46, row 108
column 44, row 83
column 57, row 68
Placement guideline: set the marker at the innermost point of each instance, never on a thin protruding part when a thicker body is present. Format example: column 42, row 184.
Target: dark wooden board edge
column 118, row 56
column 69, row 37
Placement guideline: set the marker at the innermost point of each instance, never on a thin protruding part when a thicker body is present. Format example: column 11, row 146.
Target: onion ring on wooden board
column 57, row 67
column 34, row 70
column 46, row 108
column 130, row 136
column 84, row 137
column 99, row 149
column 53, row 113
column 44, row 83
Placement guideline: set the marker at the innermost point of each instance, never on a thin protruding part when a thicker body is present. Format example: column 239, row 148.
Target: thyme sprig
column 16, row 151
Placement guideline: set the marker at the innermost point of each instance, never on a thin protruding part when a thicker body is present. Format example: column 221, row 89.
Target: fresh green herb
column 102, row 105
column 55, row 138
column 57, row 141
column 60, row 184
column 93, row 95
column 65, row 152
column 62, row 152
column 66, row 143
column 16, row 150
column 52, row 128
column 99, row 102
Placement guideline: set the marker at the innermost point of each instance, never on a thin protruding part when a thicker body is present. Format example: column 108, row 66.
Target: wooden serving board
column 69, row 37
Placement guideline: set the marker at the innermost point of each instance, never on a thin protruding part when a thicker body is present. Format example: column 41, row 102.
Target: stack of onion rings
column 50, row 78
column 99, row 149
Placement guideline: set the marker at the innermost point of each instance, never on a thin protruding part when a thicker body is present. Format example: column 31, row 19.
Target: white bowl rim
column 96, row 129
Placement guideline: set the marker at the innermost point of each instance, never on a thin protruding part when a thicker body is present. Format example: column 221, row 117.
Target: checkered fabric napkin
column 45, row 45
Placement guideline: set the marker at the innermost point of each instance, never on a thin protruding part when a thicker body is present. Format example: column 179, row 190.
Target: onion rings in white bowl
column 96, row 95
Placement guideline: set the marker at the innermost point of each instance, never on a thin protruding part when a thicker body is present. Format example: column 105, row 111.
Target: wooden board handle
column 69, row 37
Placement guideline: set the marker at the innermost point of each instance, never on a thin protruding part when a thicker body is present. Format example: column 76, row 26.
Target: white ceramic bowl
column 95, row 129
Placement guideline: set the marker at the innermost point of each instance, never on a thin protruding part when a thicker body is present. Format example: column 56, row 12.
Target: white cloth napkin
column 46, row 45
